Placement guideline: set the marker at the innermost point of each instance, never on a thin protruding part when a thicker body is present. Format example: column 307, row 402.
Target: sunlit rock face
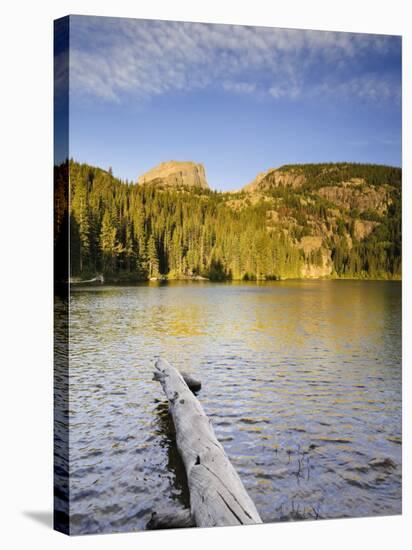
column 176, row 173
column 362, row 198
column 275, row 178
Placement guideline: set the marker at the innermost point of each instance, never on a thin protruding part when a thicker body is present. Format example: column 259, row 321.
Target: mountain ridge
column 301, row 221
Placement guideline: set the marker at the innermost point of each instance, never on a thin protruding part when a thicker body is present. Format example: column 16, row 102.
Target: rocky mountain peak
column 176, row 173
column 273, row 178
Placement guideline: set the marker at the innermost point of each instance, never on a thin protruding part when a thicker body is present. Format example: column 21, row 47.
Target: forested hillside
column 330, row 220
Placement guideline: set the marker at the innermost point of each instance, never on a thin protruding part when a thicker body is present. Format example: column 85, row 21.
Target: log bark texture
column 217, row 494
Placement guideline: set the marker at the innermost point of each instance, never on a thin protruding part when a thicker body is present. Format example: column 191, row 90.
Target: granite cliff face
column 274, row 178
column 177, row 174
column 314, row 247
column 358, row 197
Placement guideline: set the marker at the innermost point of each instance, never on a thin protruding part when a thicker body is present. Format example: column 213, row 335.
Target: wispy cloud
column 117, row 59
column 240, row 87
column 368, row 87
column 291, row 90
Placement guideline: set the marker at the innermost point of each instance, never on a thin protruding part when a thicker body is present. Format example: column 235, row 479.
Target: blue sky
column 238, row 99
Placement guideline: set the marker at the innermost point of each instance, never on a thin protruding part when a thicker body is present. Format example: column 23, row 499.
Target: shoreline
column 163, row 281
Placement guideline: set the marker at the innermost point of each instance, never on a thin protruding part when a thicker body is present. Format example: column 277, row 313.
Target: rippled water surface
column 302, row 381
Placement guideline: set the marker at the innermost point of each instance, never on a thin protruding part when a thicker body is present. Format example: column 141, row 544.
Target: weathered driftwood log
column 194, row 384
column 217, row 495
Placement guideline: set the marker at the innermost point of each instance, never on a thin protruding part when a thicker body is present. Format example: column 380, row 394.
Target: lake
column 301, row 379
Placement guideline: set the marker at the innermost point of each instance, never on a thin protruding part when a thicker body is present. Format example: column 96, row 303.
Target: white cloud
column 367, row 87
column 239, row 87
column 112, row 59
column 282, row 90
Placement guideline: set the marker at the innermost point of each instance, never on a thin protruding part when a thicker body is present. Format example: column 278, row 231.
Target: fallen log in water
column 217, row 495
column 97, row 279
column 194, row 384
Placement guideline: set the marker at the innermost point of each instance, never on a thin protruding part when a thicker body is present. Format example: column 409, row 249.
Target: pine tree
column 153, row 258
column 80, row 213
column 108, row 242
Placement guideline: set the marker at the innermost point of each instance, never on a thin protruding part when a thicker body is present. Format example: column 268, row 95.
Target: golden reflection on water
column 302, row 380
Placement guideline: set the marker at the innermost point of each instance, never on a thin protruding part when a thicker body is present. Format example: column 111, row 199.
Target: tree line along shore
column 297, row 221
